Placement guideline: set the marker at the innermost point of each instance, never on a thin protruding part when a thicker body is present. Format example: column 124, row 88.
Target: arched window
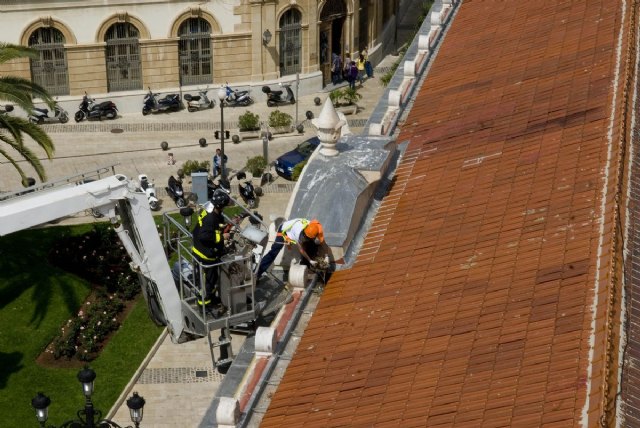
column 194, row 51
column 290, row 42
column 50, row 69
column 124, row 71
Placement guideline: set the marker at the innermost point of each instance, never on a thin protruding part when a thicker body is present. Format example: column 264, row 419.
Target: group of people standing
column 351, row 71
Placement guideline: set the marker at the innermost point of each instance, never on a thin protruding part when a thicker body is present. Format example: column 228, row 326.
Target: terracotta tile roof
column 472, row 300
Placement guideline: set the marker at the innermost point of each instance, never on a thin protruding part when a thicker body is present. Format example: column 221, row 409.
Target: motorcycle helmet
column 220, row 198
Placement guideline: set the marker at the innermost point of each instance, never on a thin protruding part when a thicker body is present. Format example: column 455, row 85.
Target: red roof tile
column 470, row 302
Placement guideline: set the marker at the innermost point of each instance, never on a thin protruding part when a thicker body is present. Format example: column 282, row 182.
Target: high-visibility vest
column 292, row 229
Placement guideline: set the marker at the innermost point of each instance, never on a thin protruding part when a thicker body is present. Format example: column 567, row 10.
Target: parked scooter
column 43, row 115
column 199, row 102
column 88, row 109
column 151, row 103
column 212, row 186
column 237, row 98
column 149, row 189
column 175, row 192
column 278, row 98
column 247, row 191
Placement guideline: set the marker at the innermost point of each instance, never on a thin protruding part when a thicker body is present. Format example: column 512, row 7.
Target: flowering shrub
column 99, row 257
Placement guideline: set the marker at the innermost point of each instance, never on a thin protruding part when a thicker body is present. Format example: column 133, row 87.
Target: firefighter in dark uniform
column 208, row 244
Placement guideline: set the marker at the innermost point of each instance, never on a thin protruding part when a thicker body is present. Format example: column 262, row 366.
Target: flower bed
column 99, row 257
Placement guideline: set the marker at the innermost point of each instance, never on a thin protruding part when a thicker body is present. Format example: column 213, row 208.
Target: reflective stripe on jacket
column 208, row 243
column 292, row 229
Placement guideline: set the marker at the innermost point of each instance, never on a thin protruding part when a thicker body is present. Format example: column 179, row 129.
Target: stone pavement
column 178, row 382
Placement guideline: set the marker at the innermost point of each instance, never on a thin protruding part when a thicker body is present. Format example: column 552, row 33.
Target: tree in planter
column 279, row 119
column 256, row 165
column 249, row 121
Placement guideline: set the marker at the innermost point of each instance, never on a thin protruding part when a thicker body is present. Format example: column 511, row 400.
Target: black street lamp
column 222, row 94
column 89, row 417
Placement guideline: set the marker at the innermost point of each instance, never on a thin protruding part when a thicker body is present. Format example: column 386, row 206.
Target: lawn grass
column 36, row 298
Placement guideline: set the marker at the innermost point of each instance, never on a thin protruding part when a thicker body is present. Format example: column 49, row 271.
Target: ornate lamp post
column 222, row 94
column 89, row 417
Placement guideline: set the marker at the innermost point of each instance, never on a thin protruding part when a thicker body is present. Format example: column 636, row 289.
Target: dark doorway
column 332, row 19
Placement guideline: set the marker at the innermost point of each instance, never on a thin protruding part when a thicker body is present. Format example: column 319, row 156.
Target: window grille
column 124, row 70
column 194, row 51
column 290, row 42
column 49, row 70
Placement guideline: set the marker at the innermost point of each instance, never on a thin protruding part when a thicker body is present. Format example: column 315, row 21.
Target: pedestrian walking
column 361, row 69
column 346, row 69
column 353, row 74
column 217, row 163
column 367, row 64
column 171, row 160
column 336, row 68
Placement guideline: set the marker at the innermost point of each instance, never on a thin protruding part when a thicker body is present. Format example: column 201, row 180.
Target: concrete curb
column 127, row 389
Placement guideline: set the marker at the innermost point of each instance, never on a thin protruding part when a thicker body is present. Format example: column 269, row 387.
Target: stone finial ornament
column 329, row 126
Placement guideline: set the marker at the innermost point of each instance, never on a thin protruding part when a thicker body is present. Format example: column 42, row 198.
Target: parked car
column 288, row 161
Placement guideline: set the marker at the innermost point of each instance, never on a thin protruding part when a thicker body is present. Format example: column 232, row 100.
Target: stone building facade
column 124, row 46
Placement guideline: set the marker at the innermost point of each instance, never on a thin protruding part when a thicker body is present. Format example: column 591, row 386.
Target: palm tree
column 20, row 91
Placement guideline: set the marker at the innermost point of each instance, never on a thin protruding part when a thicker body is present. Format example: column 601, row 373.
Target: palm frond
column 12, row 134
column 12, row 161
column 35, row 132
column 22, row 91
column 9, row 51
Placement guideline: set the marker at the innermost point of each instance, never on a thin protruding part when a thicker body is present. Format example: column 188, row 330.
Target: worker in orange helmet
column 306, row 234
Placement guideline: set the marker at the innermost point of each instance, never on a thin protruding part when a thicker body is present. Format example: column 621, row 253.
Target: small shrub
column 249, row 121
column 335, row 96
column 256, row 165
column 279, row 119
column 351, row 95
column 386, row 78
column 190, row 166
column 297, row 170
column 426, row 6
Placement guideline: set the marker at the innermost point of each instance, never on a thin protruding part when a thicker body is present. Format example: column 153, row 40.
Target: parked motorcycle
column 247, row 191
column 175, row 192
column 88, row 109
column 278, row 98
column 149, row 189
column 248, row 194
column 199, row 102
column 237, row 98
column 151, row 103
column 43, row 115
column 212, row 186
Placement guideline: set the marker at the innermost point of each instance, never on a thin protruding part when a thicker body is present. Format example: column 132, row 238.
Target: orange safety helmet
column 314, row 230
